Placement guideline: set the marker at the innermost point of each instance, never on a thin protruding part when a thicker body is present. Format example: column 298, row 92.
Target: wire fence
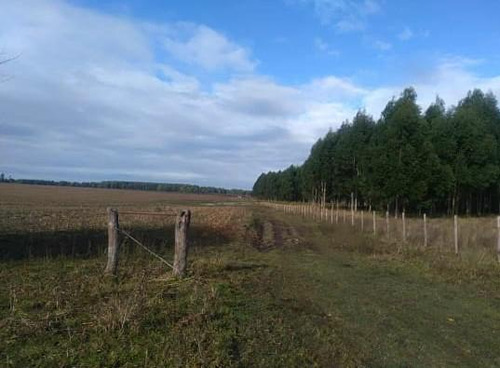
column 144, row 247
column 182, row 222
column 455, row 234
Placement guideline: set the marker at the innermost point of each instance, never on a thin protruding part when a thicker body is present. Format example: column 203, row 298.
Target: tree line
column 133, row 185
column 441, row 161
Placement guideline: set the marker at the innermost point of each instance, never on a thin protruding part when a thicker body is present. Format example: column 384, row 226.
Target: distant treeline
column 160, row 187
column 439, row 161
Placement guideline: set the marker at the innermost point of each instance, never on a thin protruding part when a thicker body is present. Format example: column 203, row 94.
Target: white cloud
column 201, row 45
column 382, row 45
column 370, row 7
column 258, row 96
column 406, row 34
column 96, row 104
column 331, row 86
column 318, row 118
column 320, row 44
column 425, row 33
column 450, row 78
column 90, row 101
column 344, row 15
column 324, row 47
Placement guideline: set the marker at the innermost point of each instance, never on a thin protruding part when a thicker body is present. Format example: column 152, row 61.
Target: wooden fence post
column 113, row 242
column 387, row 222
column 337, row 214
column 352, row 209
column 498, row 238
column 455, row 232
column 331, row 213
column 425, row 230
column 374, row 223
column 404, row 226
column 181, row 243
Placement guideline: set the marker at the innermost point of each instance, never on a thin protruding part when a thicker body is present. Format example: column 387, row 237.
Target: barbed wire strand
column 145, row 248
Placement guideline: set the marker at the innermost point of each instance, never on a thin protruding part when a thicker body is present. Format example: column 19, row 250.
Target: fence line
column 460, row 235
column 181, row 245
column 147, row 213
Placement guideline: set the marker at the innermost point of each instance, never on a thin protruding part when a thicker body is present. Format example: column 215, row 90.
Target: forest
column 439, row 161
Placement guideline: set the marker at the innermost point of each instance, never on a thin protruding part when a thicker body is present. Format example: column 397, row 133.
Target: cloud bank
column 96, row 97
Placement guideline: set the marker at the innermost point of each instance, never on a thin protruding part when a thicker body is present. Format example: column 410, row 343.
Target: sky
column 217, row 92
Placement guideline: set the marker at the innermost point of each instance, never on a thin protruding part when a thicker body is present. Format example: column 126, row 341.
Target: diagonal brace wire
column 145, row 248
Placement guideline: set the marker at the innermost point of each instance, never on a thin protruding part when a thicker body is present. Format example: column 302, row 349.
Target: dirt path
column 266, row 234
column 386, row 309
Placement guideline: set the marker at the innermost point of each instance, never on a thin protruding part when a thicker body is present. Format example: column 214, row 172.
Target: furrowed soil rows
column 46, row 221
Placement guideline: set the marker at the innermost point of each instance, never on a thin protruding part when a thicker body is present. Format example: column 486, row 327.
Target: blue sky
column 371, row 42
column 215, row 92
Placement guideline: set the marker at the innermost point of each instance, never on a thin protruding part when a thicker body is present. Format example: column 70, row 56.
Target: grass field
column 264, row 289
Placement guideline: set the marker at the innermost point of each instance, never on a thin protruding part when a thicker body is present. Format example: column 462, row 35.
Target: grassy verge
column 63, row 313
column 285, row 292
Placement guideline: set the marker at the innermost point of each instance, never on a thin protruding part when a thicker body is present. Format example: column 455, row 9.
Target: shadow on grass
column 244, row 266
column 93, row 243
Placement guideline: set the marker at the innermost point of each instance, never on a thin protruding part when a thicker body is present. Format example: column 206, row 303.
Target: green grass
column 321, row 296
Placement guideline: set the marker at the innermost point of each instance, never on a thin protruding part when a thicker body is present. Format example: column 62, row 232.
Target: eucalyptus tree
column 439, row 161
